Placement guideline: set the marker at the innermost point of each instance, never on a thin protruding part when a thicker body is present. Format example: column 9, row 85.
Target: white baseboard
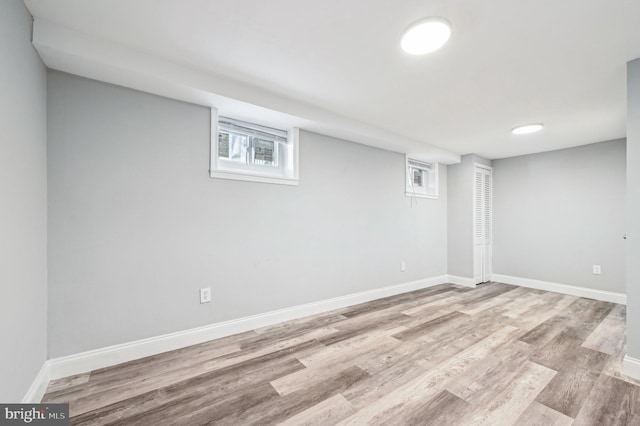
column 100, row 358
column 606, row 296
column 464, row 281
column 38, row 387
column 57, row 368
column 631, row 367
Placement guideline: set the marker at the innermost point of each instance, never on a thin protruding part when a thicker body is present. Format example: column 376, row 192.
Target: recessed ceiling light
column 527, row 128
column 426, row 35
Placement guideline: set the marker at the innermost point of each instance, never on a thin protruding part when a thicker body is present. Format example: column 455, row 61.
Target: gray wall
column 23, row 188
column 137, row 226
column 633, row 209
column 558, row 213
column 460, row 178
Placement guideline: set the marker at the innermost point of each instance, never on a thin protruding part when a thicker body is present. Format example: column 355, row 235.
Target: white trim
column 112, row 355
column 416, row 195
column 631, row 367
column 463, row 281
column 39, row 386
column 251, row 178
column 606, row 296
column 104, row 357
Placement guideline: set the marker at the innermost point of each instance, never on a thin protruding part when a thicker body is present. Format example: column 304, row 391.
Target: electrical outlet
column 205, row 295
column 597, row 270
column 402, row 266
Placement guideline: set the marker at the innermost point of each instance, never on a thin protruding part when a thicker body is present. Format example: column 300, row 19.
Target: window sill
column 430, row 196
column 217, row 174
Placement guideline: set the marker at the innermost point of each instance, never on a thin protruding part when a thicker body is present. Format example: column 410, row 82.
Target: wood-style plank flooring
column 446, row 355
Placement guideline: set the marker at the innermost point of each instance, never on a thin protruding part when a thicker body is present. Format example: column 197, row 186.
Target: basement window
column 241, row 150
column 421, row 179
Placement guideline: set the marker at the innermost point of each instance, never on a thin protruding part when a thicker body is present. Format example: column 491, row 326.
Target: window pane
column 265, row 152
column 233, row 146
column 418, row 177
column 223, row 145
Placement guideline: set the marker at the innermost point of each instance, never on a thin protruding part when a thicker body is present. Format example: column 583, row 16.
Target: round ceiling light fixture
column 527, row 128
column 426, row 35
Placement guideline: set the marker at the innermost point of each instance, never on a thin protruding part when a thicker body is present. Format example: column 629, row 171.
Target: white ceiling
column 336, row 66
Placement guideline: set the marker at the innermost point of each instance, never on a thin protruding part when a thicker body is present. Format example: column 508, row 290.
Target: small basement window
column 422, row 179
column 252, row 152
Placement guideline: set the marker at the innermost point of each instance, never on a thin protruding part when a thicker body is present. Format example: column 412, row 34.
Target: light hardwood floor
column 446, row 355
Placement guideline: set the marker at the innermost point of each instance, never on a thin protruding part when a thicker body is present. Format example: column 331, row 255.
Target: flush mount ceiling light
column 426, row 35
column 527, row 128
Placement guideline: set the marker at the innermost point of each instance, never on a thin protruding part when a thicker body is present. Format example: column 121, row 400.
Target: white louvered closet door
column 482, row 218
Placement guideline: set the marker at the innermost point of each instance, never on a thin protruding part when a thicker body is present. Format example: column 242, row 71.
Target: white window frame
column 286, row 173
column 429, row 170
